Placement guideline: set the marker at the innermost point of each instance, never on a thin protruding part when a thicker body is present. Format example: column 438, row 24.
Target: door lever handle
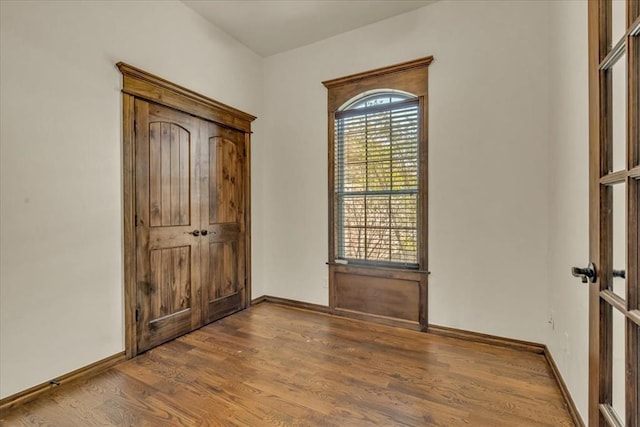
column 204, row 232
column 585, row 274
column 194, row 232
column 620, row 273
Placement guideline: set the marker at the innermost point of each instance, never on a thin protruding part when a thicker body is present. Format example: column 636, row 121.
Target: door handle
column 585, row 274
column 194, row 232
column 620, row 273
column 204, row 232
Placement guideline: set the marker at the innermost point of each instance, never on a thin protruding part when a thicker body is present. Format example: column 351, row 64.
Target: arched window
column 376, row 178
column 377, row 147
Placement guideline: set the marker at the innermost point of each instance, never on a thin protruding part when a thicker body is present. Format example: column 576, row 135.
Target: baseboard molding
column 486, row 339
column 20, row 398
column 292, row 303
column 571, row 405
column 258, row 300
column 349, row 314
column 383, row 320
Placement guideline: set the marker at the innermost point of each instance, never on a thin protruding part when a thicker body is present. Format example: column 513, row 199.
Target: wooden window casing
column 387, row 292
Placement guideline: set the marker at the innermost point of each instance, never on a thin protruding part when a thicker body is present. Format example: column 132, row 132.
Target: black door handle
column 204, row 232
column 585, row 274
column 620, row 273
column 194, row 232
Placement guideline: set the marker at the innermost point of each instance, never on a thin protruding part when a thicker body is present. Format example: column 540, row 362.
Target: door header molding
column 144, row 85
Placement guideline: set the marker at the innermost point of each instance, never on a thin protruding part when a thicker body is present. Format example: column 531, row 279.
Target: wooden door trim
column 138, row 84
column 597, row 49
column 144, row 85
column 129, row 206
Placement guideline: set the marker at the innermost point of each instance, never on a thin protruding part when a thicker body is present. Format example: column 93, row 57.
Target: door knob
column 194, row 232
column 585, row 274
column 204, row 232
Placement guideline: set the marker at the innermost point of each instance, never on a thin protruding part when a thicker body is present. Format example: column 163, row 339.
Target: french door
column 614, row 297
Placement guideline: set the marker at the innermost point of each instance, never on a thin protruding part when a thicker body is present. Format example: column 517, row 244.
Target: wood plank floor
column 274, row 365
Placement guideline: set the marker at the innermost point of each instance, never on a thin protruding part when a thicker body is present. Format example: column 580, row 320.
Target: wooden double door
column 189, row 223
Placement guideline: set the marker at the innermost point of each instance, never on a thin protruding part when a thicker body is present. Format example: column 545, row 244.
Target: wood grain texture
column 223, row 250
column 391, row 296
column 350, row 296
column 168, row 266
column 273, row 365
column 633, row 213
column 144, row 85
column 599, row 361
column 377, row 295
column 129, row 222
column 246, row 224
column 166, row 199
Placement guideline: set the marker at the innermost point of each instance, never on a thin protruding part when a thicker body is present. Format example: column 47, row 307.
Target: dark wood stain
column 393, row 300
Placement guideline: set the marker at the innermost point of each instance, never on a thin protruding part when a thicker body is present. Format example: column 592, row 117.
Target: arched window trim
column 365, row 99
column 381, row 292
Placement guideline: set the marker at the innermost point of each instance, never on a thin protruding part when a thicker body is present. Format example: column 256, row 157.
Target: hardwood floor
column 275, row 365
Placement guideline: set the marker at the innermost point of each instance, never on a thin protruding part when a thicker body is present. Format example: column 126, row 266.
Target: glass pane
column 353, row 243
column 378, row 99
column 379, row 176
column 378, row 211
column 618, row 20
column 404, row 211
column 618, row 377
column 404, row 246
column 405, row 174
column 354, row 177
column 619, row 113
column 619, row 239
column 353, row 211
column 378, row 244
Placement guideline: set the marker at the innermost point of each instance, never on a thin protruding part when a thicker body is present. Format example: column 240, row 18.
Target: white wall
column 568, row 339
column 488, row 159
column 61, row 212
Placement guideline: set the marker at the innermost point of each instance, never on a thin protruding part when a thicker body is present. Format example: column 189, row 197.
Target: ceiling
column 272, row 26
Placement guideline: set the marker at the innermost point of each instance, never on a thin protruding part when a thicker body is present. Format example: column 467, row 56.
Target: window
column 378, row 167
column 378, row 195
column 376, row 179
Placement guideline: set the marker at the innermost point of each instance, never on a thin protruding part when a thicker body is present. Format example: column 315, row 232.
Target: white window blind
column 376, row 167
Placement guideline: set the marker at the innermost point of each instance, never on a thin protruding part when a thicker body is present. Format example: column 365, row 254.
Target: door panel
column 614, row 332
column 225, row 180
column 223, row 247
column 167, row 256
column 223, row 258
column 171, row 272
column 169, row 159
